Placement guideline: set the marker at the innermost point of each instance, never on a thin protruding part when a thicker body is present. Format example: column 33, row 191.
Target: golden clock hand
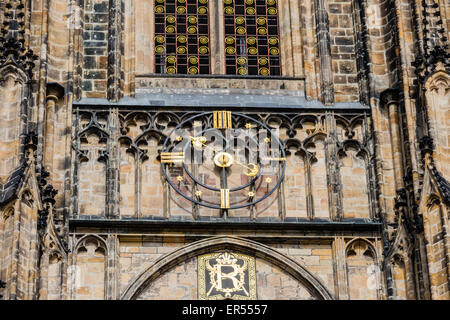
column 197, row 142
column 252, row 171
column 241, row 164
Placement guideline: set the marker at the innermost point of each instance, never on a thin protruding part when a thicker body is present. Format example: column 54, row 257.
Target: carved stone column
column 115, row 51
column 340, row 268
column 55, row 94
column 323, row 44
column 49, row 131
column 112, row 167
column 333, row 173
column 410, row 280
column 43, row 276
column 389, row 280
column 390, row 100
column 112, row 264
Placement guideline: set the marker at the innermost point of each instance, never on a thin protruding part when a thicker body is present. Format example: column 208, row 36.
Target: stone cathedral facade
column 224, row 149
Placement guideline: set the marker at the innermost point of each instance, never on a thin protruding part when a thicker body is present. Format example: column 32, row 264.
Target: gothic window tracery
column 252, row 37
column 182, row 37
column 92, row 163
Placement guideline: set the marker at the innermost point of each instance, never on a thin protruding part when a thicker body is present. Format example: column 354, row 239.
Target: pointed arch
column 82, row 241
column 440, row 80
column 14, row 94
column 90, row 257
column 10, row 69
column 363, row 274
column 165, row 263
column 399, row 277
column 438, row 99
column 370, row 246
column 354, row 169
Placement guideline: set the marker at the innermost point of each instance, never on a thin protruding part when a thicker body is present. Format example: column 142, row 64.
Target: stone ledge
column 190, row 99
column 270, row 83
column 141, row 225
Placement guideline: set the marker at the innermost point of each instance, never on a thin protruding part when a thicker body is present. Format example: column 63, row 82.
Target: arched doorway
column 261, row 251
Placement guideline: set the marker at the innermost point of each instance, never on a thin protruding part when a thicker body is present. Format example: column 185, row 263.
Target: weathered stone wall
column 6, row 244
column 319, row 179
column 435, row 224
column 28, row 249
column 11, row 91
column 19, row 247
column 272, row 283
column 362, row 271
column 399, row 280
column 355, row 194
column 295, row 187
column 90, row 266
column 127, row 182
column 181, row 281
column 144, row 29
column 95, row 48
column 343, row 50
column 55, row 278
column 177, row 284
column 316, row 256
column 92, row 181
column 153, row 201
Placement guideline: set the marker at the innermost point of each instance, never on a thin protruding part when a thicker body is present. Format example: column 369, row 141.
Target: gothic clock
column 223, row 160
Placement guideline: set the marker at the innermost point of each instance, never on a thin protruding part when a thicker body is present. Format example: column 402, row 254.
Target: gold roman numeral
column 172, row 157
column 222, row 120
column 225, row 198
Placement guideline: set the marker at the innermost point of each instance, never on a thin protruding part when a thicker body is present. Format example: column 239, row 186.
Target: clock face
column 223, row 160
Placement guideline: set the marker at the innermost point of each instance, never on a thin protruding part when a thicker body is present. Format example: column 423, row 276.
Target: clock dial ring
column 252, row 200
column 252, row 181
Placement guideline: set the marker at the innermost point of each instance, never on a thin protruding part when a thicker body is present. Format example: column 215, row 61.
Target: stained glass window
column 252, row 37
column 182, row 37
